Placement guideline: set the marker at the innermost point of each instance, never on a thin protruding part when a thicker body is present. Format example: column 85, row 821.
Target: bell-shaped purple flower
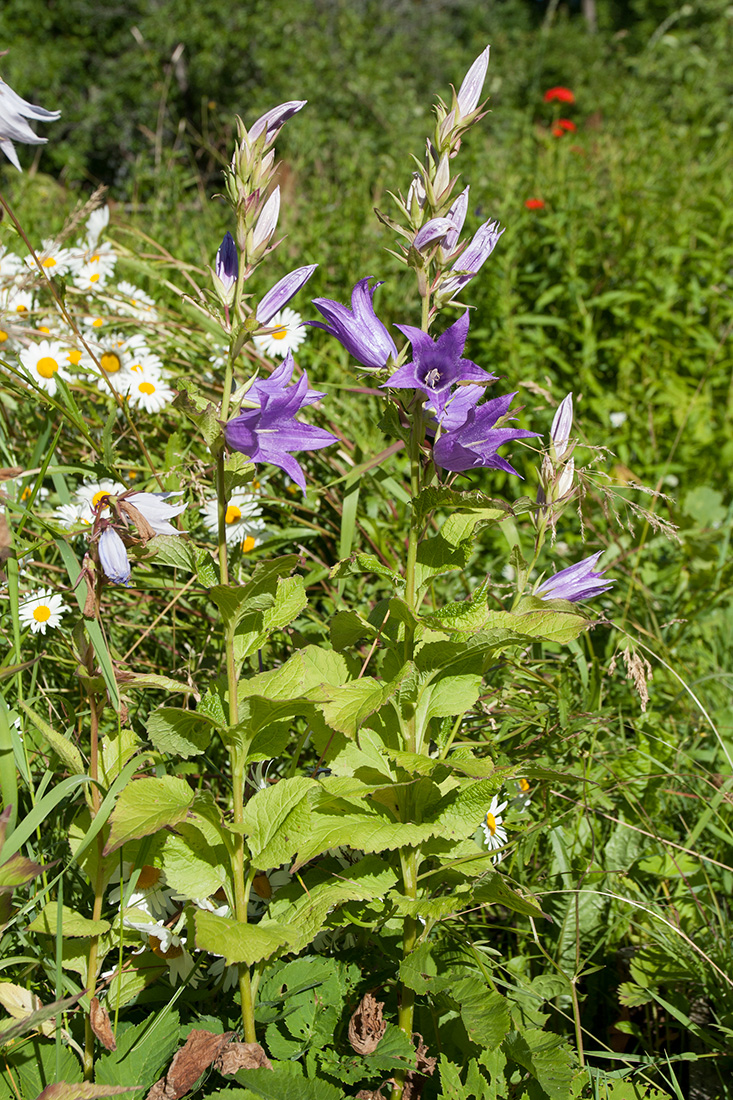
column 456, row 216
column 226, row 269
column 358, row 329
column 434, row 230
column 437, row 365
column 113, row 557
column 271, row 433
column 577, row 582
column 280, row 294
column 273, row 120
column 471, row 260
column 475, row 442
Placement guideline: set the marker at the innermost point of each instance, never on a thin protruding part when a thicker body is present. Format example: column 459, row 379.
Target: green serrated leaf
column 271, row 817
column 147, row 805
column 183, row 733
column 545, row 1057
column 237, row 941
column 173, row 550
column 18, row 870
column 442, row 497
column 360, row 563
column 349, row 627
column 206, row 570
column 238, row 472
column 485, row 1013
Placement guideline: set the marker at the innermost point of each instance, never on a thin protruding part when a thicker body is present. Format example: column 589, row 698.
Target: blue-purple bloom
column 227, row 262
column 113, row 557
column 273, row 121
column 577, row 582
column 437, row 365
column 358, row 329
column 475, row 442
column 433, row 230
column 271, row 432
column 562, row 422
column 280, row 294
column 471, row 260
column 456, row 216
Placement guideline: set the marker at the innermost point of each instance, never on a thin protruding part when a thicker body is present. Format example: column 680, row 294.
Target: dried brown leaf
column 199, row 1051
column 366, row 1026
column 99, row 1021
column 237, row 1056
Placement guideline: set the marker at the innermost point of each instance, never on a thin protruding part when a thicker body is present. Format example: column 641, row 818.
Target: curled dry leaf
column 199, row 1051
column 99, row 1020
column 237, row 1056
column 415, row 1079
column 366, row 1026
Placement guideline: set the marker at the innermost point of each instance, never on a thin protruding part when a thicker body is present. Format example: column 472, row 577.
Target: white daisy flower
column 135, row 302
column 54, row 259
column 41, row 610
column 167, row 945
column 491, row 826
column 150, row 893
column 95, row 321
column 17, row 300
column 10, row 265
column 617, row 419
column 97, row 222
column 45, row 362
column 93, row 267
column 264, row 885
column 288, row 333
column 149, row 392
column 113, row 358
column 143, row 362
column 90, row 495
column 71, row 515
column 241, row 518
column 523, row 798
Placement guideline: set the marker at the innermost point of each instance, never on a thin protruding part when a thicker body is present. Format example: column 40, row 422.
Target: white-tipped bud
column 441, row 183
column 267, row 222
column 561, row 426
column 416, row 196
column 472, row 86
column 565, row 481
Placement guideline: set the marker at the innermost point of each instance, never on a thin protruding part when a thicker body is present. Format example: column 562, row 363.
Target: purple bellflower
column 358, row 329
column 434, row 230
column 471, row 260
column 477, row 440
column 13, row 127
column 437, row 365
column 113, row 557
column 273, row 121
column 456, row 216
column 227, row 265
column 155, row 510
column 577, row 582
column 280, row 294
column 472, row 86
column 271, row 433
column 562, row 422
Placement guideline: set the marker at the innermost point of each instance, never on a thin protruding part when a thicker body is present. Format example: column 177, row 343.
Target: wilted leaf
column 100, row 1024
column 84, row 1090
column 238, row 1056
column 367, row 1026
column 199, row 1051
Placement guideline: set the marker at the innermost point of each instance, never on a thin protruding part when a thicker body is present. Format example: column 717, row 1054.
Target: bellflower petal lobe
column 475, row 442
column 561, row 424
column 280, row 294
column 577, row 582
column 358, row 329
column 113, row 557
column 227, row 262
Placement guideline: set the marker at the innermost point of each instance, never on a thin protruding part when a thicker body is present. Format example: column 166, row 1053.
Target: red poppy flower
column 562, row 95
column 534, row 204
column 563, row 126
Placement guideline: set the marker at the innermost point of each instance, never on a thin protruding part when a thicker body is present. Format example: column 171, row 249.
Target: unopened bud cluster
column 433, row 216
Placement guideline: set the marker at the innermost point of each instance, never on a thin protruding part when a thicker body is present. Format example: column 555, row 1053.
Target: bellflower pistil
column 358, row 329
column 577, row 582
column 271, row 433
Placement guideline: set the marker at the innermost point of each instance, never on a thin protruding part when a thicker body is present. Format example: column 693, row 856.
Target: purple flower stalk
column 437, row 365
column 358, row 329
column 471, row 260
column 113, row 557
column 477, row 440
column 281, row 293
column 13, row 127
column 271, row 433
column 577, row 582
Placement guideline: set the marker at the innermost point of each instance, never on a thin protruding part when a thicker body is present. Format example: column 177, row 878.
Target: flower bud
column 266, row 226
column 226, row 270
column 561, row 425
column 113, row 557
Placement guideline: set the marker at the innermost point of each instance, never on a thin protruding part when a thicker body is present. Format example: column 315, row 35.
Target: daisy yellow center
column 149, row 878
column 523, row 786
column 25, row 495
column 99, row 497
column 137, row 367
column 110, row 362
column 279, row 333
column 133, row 302
column 261, row 886
column 94, row 278
column 132, row 475
column 97, row 322
column 21, row 309
column 233, row 514
column 42, row 614
column 248, row 544
column 42, row 328
column 74, row 356
column 47, row 367
column 173, row 952
column 491, row 823
column 146, row 387
column 49, row 262
column 255, row 484
column 3, row 336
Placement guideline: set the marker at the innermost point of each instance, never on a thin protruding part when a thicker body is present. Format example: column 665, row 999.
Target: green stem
column 406, row 1011
column 98, row 892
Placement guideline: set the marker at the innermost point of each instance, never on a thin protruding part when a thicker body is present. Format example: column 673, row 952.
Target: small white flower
column 54, row 259
column 134, row 302
column 45, row 363
column 150, row 893
column 90, row 495
column 230, row 973
column 241, row 520
column 113, row 358
column 157, row 512
column 92, row 267
column 10, row 265
column 167, row 945
column 149, row 392
column 523, row 798
column 71, row 515
column 97, row 222
column 18, row 301
column 288, row 334
column 41, row 610
column 494, row 833
column 617, row 419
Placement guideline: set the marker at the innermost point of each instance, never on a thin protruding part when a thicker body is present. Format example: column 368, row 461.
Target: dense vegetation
column 595, row 959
